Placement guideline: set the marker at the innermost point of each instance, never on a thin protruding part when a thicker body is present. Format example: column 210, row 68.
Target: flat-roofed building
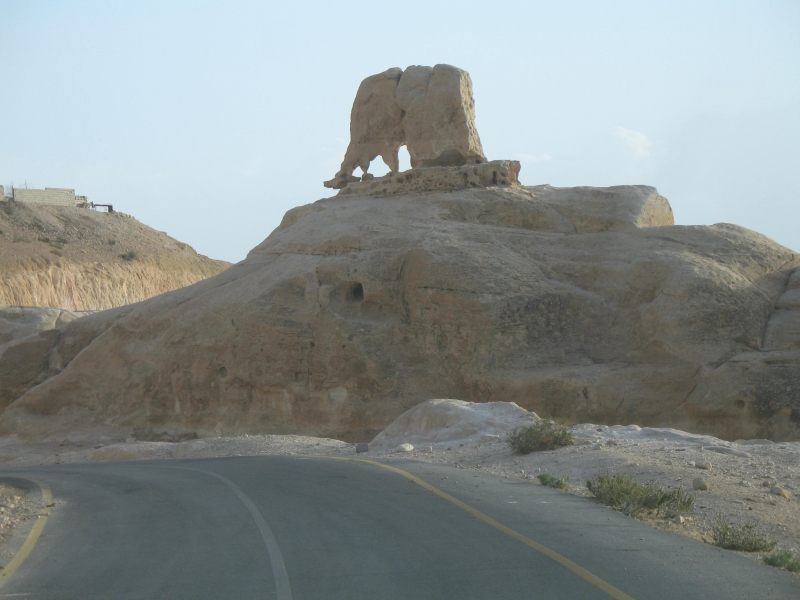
column 58, row 196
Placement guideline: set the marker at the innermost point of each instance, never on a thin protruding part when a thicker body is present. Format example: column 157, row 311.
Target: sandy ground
column 741, row 478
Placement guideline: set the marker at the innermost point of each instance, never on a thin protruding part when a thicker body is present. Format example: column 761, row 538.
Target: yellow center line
column 33, row 536
column 562, row 560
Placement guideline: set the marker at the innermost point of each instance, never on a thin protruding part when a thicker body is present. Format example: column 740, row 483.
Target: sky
column 209, row 120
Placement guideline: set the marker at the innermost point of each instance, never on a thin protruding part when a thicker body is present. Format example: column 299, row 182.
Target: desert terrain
column 78, row 259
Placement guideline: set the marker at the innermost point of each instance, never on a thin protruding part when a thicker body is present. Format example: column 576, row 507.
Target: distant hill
column 82, row 260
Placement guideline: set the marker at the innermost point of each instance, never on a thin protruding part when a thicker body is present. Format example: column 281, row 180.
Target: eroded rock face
column 18, row 322
column 430, row 110
column 376, row 126
column 438, row 179
column 357, row 308
column 439, row 118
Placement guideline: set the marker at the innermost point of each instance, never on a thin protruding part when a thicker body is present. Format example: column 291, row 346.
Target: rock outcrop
column 429, row 110
column 438, row 179
column 77, row 259
column 18, row 322
column 585, row 303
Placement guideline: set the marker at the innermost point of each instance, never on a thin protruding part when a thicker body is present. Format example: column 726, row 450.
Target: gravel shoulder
column 741, row 480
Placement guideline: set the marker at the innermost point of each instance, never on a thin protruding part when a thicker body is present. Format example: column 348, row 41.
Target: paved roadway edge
column 562, row 560
column 33, row 536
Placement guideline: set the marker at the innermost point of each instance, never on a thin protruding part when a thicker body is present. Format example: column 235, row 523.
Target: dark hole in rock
column 739, row 404
column 494, row 177
column 357, row 293
column 223, row 372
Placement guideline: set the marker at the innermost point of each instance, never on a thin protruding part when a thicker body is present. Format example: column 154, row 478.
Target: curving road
column 315, row 528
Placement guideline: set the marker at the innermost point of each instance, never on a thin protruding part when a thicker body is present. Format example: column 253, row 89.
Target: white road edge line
column 282, row 587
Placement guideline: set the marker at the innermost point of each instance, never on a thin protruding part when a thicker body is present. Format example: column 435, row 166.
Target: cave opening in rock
column 357, row 293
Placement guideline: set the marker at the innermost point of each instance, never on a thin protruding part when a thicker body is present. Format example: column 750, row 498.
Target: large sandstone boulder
column 430, row 110
column 439, row 116
column 376, row 126
column 568, row 302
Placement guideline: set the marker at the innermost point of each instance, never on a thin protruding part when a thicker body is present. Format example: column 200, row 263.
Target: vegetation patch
column 46, row 240
column 744, row 538
column 783, row 560
column 542, row 435
column 128, row 256
column 553, row 482
column 625, row 494
column 57, row 252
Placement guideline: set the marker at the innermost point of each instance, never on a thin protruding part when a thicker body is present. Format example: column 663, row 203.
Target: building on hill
column 57, row 196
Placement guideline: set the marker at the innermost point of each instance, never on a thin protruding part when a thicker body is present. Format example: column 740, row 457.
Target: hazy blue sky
column 209, row 120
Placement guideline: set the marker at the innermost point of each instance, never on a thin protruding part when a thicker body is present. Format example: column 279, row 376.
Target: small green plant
column 783, row 560
column 61, row 240
column 112, row 242
column 46, row 240
column 57, row 252
column 542, row 435
column 553, row 482
column 630, row 497
column 128, row 256
column 744, row 538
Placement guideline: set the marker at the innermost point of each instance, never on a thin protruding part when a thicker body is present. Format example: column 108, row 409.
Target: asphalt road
column 315, row 528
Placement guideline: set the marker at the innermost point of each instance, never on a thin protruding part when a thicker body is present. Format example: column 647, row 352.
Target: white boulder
column 447, row 420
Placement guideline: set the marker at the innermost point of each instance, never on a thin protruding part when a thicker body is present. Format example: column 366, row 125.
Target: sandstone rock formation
column 438, row 179
column 585, row 303
column 429, row 110
column 18, row 322
column 77, row 259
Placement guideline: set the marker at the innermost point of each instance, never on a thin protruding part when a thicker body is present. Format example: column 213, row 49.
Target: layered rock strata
column 585, row 303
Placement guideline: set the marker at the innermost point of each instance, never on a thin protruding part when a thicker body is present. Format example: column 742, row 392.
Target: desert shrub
column 46, row 240
column 783, row 560
column 112, row 242
column 61, row 240
column 553, row 482
column 56, row 252
column 734, row 537
column 630, row 497
column 128, row 256
column 542, row 435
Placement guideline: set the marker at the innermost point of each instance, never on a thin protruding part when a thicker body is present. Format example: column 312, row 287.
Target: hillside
column 81, row 260
column 586, row 303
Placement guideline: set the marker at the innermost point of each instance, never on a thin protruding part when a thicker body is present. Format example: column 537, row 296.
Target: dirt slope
column 81, row 260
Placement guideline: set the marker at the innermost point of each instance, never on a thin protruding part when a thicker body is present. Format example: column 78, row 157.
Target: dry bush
column 630, row 497
column 744, row 537
column 543, row 435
